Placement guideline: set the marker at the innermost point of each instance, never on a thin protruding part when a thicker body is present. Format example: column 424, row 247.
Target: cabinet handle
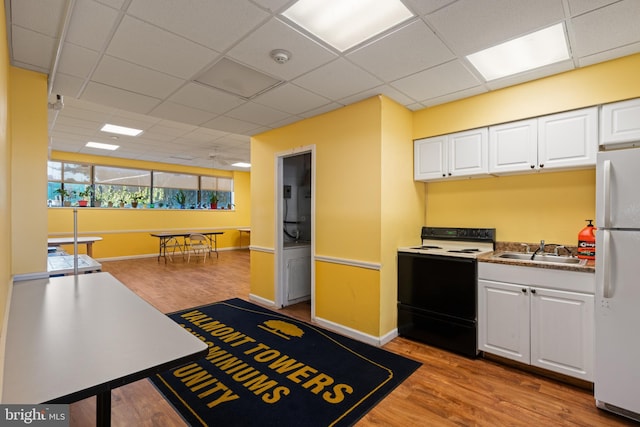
column 541, row 165
column 524, row 290
column 533, row 291
column 449, row 173
column 533, row 166
column 444, row 175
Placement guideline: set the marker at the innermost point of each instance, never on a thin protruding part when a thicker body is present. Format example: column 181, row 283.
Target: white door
column 617, row 379
column 469, row 152
column 568, row 139
column 617, row 189
column 562, row 332
column 503, row 320
column 513, row 146
column 430, row 158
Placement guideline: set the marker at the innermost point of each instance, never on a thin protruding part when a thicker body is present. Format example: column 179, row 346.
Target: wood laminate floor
column 448, row 390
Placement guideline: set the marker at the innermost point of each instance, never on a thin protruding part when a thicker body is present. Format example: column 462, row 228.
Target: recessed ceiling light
column 241, row 165
column 121, row 130
column 525, row 53
column 101, row 146
column 346, row 23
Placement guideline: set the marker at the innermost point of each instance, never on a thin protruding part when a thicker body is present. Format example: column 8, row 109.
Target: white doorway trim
column 279, row 220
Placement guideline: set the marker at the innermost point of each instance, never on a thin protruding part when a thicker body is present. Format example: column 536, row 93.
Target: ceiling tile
column 256, row 113
column 114, row 97
column 205, row 98
column 118, row 73
column 32, row 48
column 76, row 60
column 437, row 81
column 386, row 90
column 169, row 110
column 291, row 98
column 42, row 16
column 578, row 7
column 230, row 124
column 413, row 47
column 216, row 24
column 471, row 25
column 337, row 79
column 306, row 54
column 422, row 7
column 151, row 47
column 607, row 28
column 272, row 5
column 91, row 25
column 238, row 79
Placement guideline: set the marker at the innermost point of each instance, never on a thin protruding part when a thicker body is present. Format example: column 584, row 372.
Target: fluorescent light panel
column 101, row 146
column 346, row 23
column 121, row 130
column 525, row 53
column 241, row 165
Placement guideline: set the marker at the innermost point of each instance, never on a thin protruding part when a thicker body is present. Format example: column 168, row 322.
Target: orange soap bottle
column 587, row 241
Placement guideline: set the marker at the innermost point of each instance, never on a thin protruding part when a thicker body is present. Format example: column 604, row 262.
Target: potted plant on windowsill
column 65, row 196
column 123, row 197
column 181, row 199
column 213, row 200
column 135, row 198
column 86, row 196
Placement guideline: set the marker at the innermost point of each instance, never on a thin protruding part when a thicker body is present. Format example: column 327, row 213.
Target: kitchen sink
column 546, row 258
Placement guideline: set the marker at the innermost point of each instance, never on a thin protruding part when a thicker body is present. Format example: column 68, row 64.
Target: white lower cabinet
column 520, row 318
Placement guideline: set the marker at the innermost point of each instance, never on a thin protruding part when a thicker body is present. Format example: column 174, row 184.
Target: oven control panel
column 466, row 234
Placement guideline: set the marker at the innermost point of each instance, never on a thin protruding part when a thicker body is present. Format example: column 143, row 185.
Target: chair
column 197, row 245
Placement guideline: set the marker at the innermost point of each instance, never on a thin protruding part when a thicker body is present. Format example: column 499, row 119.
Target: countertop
column 588, row 267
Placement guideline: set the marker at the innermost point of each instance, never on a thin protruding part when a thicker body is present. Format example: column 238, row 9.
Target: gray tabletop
column 75, row 336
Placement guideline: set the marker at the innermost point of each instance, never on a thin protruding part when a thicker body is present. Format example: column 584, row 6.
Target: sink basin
column 556, row 259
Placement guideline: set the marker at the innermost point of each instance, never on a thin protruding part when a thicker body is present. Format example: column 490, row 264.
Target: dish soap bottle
column 587, row 241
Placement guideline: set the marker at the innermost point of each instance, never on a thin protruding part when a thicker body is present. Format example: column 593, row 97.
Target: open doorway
column 295, row 228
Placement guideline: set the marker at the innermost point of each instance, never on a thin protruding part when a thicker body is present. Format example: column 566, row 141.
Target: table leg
column 90, row 249
column 103, row 409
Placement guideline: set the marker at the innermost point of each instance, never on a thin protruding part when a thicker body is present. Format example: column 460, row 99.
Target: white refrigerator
column 617, row 340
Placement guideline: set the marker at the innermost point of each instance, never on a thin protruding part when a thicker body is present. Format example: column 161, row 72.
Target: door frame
column 279, row 266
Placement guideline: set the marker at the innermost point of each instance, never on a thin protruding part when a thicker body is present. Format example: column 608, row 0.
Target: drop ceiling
column 149, row 64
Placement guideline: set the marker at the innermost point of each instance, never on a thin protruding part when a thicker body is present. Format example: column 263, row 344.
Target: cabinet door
column 568, row 140
column 620, row 122
column 469, row 153
column 503, row 320
column 513, row 147
column 562, row 332
column 430, row 158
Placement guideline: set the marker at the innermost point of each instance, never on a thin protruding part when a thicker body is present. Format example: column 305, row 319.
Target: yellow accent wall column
column 5, row 188
column 366, row 205
column 29, row 147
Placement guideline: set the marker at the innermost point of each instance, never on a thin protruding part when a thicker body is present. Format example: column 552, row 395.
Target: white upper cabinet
column 620, row 122
column 568, row 140
column 513, row 147
column 558, row 141
column 456, row 155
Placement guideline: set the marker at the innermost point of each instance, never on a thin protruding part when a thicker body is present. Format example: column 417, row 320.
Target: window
column 176, row 190
column 108, row 186
column 121, row 186
column 220, row 187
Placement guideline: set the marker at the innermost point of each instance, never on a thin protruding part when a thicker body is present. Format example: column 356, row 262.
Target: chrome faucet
column 527, row 249
column 556, row 251
column 540, row 249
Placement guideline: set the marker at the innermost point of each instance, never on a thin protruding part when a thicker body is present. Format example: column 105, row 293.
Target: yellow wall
column 531, row 207
column 366, row 205
column 5, row 188
column 29, row 140
column 126, row 231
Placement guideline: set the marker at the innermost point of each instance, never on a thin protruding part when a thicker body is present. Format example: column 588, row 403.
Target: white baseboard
column 31, row 276
column 263, row 301
column 352, row 333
